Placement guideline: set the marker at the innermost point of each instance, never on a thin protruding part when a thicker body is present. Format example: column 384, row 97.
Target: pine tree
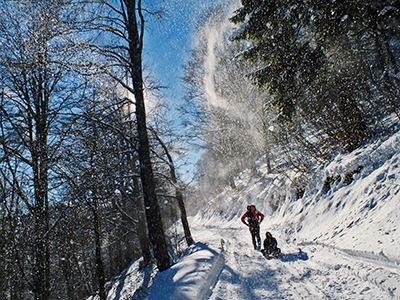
column 323, row 60
column 277, row 31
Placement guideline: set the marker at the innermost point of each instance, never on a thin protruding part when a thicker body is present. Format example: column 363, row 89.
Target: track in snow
column 314, row 272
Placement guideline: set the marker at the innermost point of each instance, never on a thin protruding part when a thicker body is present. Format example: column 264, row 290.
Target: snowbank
column 361, row 215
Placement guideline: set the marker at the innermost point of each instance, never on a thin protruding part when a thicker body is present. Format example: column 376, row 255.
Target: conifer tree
column 329, row 62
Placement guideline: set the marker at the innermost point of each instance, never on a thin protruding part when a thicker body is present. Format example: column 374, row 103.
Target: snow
column 342, row 243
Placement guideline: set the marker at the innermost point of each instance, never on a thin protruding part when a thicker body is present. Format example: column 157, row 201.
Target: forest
column 88, row 174
column 295, row 81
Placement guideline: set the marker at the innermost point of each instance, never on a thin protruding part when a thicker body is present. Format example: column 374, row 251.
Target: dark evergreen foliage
column 331, row 62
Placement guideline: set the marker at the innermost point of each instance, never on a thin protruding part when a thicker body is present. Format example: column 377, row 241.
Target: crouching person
column 270, row 246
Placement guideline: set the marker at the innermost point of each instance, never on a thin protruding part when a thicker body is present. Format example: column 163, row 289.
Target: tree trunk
column 142, row 230
column 178, row 194
column 40, row 166
column 138, row 205
column 153, row 214
column 98, row 257
column 94, row 204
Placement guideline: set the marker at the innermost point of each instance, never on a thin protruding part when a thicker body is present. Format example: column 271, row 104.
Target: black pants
column 255, row 235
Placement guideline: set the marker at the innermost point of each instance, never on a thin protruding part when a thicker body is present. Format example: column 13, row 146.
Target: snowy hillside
column 340, row 240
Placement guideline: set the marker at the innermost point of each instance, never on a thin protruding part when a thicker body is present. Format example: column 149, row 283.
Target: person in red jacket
column 252, row 218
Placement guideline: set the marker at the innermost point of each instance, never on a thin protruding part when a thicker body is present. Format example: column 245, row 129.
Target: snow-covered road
column 306, row 271
column 222, row 265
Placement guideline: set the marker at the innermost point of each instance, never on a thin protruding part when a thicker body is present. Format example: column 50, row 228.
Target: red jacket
column 253, row 218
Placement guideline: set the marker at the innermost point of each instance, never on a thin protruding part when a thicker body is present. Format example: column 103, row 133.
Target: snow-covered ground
column 341, row 243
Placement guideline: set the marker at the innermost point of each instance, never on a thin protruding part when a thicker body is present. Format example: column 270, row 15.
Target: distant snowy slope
column 363, row 215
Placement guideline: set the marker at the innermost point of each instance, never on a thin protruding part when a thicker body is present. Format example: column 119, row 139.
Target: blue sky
column 167, row 44
column 169, row 39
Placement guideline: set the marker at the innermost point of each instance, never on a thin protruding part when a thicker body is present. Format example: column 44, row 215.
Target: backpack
column 251, row 219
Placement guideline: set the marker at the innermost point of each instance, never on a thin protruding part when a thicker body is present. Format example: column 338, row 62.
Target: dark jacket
column 270, row 243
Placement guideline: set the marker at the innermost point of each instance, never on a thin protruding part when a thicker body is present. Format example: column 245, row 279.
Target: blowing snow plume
column 234, row 130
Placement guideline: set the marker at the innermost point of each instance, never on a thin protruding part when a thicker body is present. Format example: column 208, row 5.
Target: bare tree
column 124, row 19
column 34, row 60
column 178, row 192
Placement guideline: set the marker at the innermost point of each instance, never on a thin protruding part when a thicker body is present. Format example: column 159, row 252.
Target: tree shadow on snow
column 248, row 284
column 263, row 278
column 289, row 257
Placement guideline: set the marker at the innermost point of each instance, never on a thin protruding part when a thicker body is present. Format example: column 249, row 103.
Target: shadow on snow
column 290, row 257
